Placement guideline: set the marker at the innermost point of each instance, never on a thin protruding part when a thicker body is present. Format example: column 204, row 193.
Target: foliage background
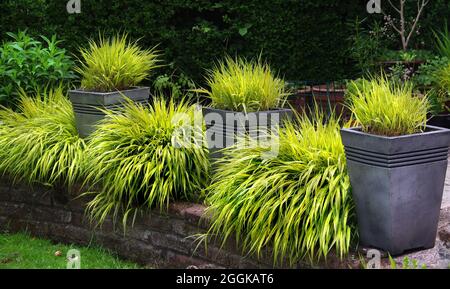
column 303, row 39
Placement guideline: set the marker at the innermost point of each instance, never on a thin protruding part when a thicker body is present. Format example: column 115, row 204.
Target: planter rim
column 99, row 93
column 443, row 114
column 259, row 111
column 432, row 131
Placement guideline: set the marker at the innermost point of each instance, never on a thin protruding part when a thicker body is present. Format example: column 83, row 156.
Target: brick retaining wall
column 157, row 240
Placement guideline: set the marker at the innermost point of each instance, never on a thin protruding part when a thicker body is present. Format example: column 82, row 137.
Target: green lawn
column 21, row 251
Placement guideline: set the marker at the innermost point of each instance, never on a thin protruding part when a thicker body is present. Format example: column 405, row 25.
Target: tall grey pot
column 87, row 105
column 224, row 126
column 397, row 186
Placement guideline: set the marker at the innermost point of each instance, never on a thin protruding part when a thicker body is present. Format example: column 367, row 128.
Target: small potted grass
column 397, row 166
column 246, row 98
column 110, row 69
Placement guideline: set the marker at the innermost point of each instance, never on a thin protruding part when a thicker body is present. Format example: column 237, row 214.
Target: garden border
column 156, row 239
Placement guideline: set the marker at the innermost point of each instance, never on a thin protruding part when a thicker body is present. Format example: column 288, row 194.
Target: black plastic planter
column 87, row 105
column 224, row 126
column 441, row 120
column 397, row 185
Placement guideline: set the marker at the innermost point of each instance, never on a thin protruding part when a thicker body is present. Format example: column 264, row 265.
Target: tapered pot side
column 397, row 186
column 88, row 105
column 223, row 127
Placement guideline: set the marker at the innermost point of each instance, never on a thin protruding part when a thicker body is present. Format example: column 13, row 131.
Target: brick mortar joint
column 192, row 213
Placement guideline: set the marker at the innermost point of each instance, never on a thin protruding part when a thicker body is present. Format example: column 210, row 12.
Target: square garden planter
column 87, row 105
column 397, row 186
column 223, row 126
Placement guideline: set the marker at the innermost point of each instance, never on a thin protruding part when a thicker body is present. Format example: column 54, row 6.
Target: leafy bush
column 39, row 142
column 299, row 203
column 241, row 85
column 430, row 79
column 134, row 160
column 29, row 64
column 426, row 76
column 175, row 86
column 366, row 45
column 410, row 55
column 387, row 108
column 115, row 64
column 442, row 93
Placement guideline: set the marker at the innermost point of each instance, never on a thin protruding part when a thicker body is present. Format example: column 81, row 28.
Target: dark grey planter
column 87, row 105
column 397, row 186
column 238, row 123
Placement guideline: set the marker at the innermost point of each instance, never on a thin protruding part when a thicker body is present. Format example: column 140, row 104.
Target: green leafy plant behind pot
column 432, row 78
column 442, row 41
column 242, row 85
column 441, row 94
column 298, row 204
column 30, row 64
column 388, row 108
column 115, row 64
column 39, row 142
column 134, row 161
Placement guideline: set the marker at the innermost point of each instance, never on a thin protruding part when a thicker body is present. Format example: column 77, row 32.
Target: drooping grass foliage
column 241, row 85
column 115, row 64
column 442, row 40
column 441, row 93
column 388, row 108
column 136, row 159
column 443, row 77
column 299, row 203
column 39, row 140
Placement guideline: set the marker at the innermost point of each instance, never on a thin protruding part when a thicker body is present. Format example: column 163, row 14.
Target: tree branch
column 392, row 23
column 393, row 6
column 420, row 8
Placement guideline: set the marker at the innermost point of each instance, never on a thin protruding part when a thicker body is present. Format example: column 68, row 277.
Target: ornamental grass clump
column 145, row 157
column 39, row 141
column 298, row 204
column 388, row 108
column 443, row 78
column 242, row 85
column 115, row 64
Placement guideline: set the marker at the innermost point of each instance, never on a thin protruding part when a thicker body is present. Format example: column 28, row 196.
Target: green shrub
column 366, row 45
column 426, row 76
column 134, row 162
column 174, row 86
column 30, row 64
column 115, row 64
column 441, row 94
column 39, row 142
column 388, row 108
column 241, row 85
column 427, row 80
column 298, row 204
column 410, row 55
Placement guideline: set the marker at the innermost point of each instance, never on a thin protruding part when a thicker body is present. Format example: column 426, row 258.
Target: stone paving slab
column 439, row 256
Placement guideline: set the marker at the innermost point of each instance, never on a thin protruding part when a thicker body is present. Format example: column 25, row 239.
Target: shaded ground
column 20, row 251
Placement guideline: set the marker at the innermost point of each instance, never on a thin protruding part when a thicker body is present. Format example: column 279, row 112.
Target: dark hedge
column 303, row 39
